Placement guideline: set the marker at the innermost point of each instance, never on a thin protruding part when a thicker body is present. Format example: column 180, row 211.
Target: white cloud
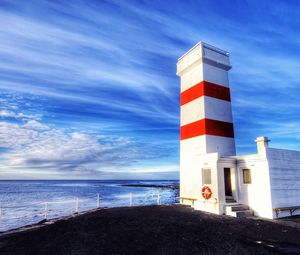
column 39, row 149
column 35, row 125
column 13, row 136
column 11, row 114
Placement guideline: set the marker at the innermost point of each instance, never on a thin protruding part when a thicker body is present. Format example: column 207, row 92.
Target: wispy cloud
column 11, row 114
column 38, row 147
column 75, row 77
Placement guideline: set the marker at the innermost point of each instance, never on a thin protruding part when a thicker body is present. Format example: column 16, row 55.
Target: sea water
column 28, row 202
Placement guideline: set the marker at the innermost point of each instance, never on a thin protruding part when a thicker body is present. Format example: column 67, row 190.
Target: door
column 227, row 181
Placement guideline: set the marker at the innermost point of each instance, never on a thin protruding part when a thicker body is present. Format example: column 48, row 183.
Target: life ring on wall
column 206, row 192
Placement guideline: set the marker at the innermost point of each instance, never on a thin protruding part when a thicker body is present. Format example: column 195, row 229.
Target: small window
column 247, row 176
column 206, row 176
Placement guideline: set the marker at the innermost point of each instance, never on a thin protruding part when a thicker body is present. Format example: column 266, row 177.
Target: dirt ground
column 165, row 229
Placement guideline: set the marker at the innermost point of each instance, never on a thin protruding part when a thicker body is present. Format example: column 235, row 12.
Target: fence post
column 46, row 210
column 130, row 199
column 158, row 199
column 98, row 200
column 77, row 205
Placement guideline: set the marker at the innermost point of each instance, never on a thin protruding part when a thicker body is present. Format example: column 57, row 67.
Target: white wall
column 189, row 59
column 192, row 111
column 211, row 205
column 191, row 173
column 257, row 194
column 215, row 75
column 192, row 146
column 285, row 178
column 225, row 146
column 205, row 107
column 275, row 181
column 217, row 109
column 193, row 76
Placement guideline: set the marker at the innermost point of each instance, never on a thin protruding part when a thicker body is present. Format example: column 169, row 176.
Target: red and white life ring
column 206, row 192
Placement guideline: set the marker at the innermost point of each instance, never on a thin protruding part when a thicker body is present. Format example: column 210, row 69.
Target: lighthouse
column 205, row 104
column 212, row 177
column 206, row 124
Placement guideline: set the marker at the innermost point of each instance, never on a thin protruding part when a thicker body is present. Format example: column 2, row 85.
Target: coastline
column 28, row 205
column 167, row 186
column 164, row 229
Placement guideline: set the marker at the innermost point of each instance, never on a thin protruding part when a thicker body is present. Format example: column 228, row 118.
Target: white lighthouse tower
column 206, row 117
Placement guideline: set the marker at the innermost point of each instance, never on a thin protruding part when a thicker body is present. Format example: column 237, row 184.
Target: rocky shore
column 165, row 229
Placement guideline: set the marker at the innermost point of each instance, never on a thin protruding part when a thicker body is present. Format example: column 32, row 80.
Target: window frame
column 245, row 181
column 210, row 176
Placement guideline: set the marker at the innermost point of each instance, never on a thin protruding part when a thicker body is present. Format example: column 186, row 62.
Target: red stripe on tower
column 206, row 127
column 205, row 88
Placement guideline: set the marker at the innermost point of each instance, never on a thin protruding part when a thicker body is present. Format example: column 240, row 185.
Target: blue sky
column 88, row 88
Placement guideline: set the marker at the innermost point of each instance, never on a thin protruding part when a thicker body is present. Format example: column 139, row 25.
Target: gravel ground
column 165, row 229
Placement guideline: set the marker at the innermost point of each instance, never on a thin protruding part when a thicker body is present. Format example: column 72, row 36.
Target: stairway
column 238, row 210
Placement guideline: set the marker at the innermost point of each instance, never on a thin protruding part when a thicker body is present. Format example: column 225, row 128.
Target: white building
column 212, row 177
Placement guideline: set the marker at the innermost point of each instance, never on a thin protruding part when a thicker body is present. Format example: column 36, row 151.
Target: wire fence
column 18, row 215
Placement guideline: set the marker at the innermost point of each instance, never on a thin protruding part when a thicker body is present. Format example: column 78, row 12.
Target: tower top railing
column 206, row 45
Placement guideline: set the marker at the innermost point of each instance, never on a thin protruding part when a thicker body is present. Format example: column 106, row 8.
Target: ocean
column 28, row 202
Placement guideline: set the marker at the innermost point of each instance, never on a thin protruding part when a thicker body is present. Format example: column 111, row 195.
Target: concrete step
column 243, row 214
column 239, row 207
column 230, row 201
column 232, row 204
column 238, row 210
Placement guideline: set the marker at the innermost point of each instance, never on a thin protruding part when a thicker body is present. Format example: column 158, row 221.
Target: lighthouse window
column 206, row 176
column 247, row 176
